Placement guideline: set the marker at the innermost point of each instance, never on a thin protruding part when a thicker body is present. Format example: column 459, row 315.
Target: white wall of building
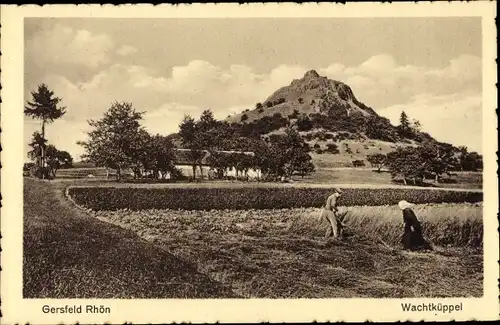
column 206, row 170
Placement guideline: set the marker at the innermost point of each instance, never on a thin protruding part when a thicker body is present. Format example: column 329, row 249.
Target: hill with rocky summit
column 316, row 103
column 312, row 94
column 327, row 115
column 329, row 118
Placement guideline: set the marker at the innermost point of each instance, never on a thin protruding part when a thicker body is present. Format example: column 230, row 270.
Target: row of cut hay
column 110, row 198
column 444, row 224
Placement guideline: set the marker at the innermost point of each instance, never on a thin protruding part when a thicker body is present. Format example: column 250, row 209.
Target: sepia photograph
column 252, row 158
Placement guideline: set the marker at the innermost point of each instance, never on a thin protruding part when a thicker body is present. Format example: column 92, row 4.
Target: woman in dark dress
column 412, row 237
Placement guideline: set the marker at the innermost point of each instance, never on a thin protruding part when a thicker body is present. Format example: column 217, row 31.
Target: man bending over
column 330, row 213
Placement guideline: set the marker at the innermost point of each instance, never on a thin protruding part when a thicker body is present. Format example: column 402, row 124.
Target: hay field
column 70, row 254
column 281, row 253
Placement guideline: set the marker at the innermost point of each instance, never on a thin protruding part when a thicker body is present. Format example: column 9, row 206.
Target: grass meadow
column 324, row 175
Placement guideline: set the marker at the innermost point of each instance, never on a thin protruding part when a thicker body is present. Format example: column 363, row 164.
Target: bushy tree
column 38, row 146
column 113, row 141
column 377, row 160
column 192, row 140
column 469, row 161
column 416, row 163
column 54, row 158
column 304, row 123
column 160, row 156
column 219, row 162
column 416, row 126
column 406, row 163
column 439, row 158
column 379, row 128
column 38, row 142
column 306, row 167
column 188, row 132
column 289, row 153
column 139, row 153
column 152, row 155
column 57, row 159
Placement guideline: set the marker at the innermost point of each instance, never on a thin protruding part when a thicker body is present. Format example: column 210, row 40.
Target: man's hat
column 338, row 190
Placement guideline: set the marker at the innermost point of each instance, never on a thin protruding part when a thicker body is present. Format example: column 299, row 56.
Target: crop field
column 208, row 198
column 281, row 253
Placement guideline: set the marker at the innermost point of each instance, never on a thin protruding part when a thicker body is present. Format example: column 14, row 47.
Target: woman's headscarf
column 403, row 205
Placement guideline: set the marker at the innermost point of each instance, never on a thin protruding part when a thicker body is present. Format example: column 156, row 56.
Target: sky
column 429, row 67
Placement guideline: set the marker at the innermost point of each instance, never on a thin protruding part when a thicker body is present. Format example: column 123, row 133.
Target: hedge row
column 108, row 198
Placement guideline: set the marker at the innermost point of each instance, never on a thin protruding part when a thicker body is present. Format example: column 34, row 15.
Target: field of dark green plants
column 111, row 198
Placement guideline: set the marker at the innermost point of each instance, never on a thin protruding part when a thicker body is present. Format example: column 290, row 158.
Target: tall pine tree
column 404, row 124
column 44, row 107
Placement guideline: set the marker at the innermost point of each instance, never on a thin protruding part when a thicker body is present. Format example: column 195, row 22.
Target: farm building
column 205, row 170
column 181, row 162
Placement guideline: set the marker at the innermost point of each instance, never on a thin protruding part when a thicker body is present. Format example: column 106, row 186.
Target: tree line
column 429, row 160
column 280, row 155
column 119, row 142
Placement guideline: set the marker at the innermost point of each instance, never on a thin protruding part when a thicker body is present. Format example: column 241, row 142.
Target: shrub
column 40, row 172
column 110, row 198
column 332, row 148
column 294, row 115
column 304, row 123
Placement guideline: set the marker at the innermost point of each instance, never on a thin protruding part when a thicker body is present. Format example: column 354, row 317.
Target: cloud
column 377, row 64
column 167, row 117
column 453, row 118
column 197, row 83
column 126, row 50
column 381, row 82
column 61, row 44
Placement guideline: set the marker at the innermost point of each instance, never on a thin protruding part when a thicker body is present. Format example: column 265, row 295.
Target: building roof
column 181, row 155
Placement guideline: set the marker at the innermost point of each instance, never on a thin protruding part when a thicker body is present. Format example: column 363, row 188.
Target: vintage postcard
column 249, row 163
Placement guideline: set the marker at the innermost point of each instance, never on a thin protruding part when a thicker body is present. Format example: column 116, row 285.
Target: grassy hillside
column 68, row 254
